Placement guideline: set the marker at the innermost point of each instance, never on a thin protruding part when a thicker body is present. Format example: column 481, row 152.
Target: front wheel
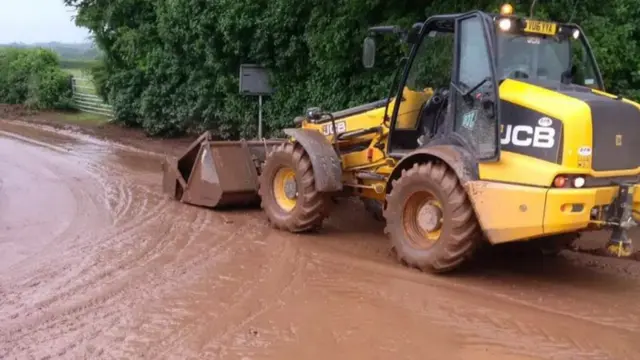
column 287, row 189
column 430, row 220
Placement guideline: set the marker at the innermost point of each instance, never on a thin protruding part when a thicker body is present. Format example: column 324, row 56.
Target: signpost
column 254, row 80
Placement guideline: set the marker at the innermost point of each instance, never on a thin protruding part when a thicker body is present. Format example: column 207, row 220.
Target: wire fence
column 86, row 99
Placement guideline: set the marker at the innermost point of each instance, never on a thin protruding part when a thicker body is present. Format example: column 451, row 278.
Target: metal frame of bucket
column 217, row 173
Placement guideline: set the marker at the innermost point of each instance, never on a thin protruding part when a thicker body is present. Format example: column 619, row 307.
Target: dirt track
column 96, row 263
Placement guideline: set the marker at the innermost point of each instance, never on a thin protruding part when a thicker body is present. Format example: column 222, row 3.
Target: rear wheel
column 287, row 190
column 430, row 220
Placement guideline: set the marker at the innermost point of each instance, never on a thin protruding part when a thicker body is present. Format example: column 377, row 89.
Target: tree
column 171, row 66
column 33, row 77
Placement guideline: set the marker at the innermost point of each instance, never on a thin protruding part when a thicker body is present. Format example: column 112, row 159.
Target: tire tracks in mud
column 169, row 280
column 556, row 285
column 481, row 322
column 66, row 246
column 59, row 314
column 61, row 295
column 202, row 286
column 91, row 291
column 250, row 300
column 87, row 206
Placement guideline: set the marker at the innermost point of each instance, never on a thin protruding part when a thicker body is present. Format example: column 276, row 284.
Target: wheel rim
column 285, row 188
column 422, row 219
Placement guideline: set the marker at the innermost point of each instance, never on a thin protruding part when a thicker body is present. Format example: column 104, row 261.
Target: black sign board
column 254, row 80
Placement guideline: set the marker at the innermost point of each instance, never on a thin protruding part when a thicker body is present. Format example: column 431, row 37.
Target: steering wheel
column 429, row 113
column 517, row 72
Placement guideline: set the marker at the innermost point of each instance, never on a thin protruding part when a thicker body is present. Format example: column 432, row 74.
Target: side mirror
column 369, row 52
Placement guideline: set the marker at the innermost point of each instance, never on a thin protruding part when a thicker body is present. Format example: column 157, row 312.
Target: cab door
column 474, row 90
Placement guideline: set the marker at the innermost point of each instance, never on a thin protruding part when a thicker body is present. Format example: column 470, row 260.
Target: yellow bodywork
column 407, row 119
column 509, row 212
column 373, row 157
column 513, row 199
column 531, row 208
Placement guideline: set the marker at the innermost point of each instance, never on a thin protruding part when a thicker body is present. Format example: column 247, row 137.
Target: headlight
column 504, row 24
column 576, row 34
column 578, row 182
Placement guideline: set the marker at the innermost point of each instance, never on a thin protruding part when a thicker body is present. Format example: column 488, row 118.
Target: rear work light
column 569, row 181
column 560, row 181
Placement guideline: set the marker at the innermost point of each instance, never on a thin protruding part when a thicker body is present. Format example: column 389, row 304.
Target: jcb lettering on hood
column 528, row 136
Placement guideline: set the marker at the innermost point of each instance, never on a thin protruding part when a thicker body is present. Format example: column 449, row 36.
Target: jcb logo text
column 327, row 129
column 524, row 135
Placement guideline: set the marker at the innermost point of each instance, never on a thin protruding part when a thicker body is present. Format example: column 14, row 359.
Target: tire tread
column 465, row 231
column 312, row 207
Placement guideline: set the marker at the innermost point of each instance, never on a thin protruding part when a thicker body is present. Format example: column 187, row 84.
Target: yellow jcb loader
column 497, row 129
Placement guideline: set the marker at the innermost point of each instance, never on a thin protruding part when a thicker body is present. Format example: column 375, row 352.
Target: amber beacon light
column 506, row 9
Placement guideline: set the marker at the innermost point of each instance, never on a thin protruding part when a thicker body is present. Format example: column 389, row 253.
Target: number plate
column 540, row 27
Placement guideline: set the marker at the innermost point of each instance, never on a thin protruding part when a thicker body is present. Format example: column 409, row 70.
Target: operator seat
column 430, row 117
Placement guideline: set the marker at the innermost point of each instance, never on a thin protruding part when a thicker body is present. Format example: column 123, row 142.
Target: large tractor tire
column 287, row 189
column 430, row 220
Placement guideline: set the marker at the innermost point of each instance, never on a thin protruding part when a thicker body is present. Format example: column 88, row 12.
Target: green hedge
column 33, row 77
column 172, row 65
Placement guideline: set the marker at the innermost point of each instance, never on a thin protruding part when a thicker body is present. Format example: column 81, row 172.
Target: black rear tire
column 458, row 234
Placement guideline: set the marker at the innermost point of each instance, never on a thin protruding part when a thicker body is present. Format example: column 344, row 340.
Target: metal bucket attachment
column 216, row 173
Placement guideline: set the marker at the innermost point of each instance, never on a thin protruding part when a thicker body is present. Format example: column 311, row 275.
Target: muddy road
column 96, row 263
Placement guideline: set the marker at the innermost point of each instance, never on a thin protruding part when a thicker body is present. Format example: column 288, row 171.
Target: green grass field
column 77, row 72
column 77, row 64
column 83, row 80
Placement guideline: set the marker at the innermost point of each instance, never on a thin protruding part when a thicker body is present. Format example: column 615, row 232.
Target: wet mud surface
column 96, row 263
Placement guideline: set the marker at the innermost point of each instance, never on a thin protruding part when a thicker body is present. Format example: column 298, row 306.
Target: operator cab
column 449, row 88
column 548, row 54
column 439, row 104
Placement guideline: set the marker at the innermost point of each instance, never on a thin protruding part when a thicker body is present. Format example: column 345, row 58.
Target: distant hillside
column 79, row 51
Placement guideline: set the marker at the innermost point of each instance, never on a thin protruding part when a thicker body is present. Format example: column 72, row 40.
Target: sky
column 30, row 21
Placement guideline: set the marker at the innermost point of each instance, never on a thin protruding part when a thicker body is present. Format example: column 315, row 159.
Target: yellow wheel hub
column 422, row 219
column 285, row 189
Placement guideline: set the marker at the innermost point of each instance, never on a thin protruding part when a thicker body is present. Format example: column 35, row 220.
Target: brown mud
column 96, row 263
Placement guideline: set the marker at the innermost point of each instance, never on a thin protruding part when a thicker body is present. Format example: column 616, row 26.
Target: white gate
column 85, row 97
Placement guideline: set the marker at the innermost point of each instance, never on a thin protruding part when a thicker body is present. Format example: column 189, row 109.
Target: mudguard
column 458, row 158
column 324, row 160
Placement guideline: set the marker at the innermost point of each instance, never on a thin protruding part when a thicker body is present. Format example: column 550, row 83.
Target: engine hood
column 616, row 130
column 612, row 123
